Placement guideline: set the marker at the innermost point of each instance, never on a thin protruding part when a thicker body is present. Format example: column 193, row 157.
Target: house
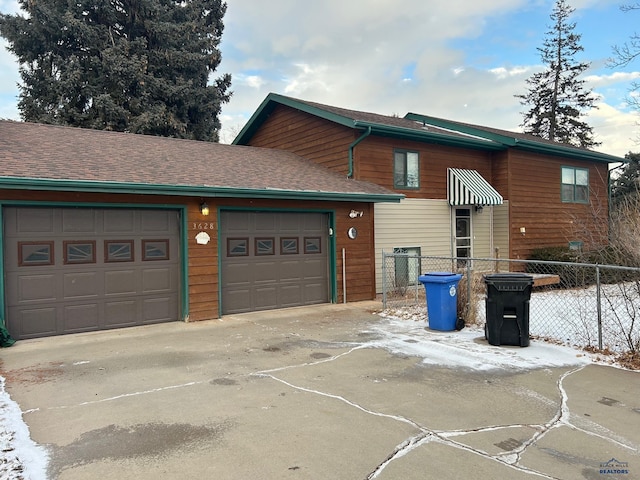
column 104, row 230
column 470, row 191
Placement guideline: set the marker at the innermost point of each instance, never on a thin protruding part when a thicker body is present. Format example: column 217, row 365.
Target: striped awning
column 468, row 187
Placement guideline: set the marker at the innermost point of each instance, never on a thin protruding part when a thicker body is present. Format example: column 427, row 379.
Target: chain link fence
column 585, row 305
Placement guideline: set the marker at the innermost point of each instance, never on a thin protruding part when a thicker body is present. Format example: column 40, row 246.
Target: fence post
column 469, row 287
column 384, row 280
column 599, row 306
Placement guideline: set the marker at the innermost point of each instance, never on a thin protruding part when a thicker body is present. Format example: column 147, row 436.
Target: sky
column 460, row 60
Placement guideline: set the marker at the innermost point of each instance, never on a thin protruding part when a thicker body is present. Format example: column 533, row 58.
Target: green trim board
column 190, row 191
column 516, row 140
column 184, row 248
column 333, row 264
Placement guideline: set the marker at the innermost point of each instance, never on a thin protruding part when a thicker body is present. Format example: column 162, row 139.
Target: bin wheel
column 459, row 323
column 486, row 336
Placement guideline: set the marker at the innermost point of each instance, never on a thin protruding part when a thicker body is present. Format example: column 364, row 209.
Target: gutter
column 353, row 146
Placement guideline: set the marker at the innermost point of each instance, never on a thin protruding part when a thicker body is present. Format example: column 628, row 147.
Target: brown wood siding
column 203, row 259
column 536, row 205
column 324, row 142
column 374, row 163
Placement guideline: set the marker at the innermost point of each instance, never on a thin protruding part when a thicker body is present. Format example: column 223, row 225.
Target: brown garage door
column 73, row 270
column 273, row 260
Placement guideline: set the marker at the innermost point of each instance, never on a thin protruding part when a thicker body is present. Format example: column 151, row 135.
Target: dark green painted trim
column 511, row 141
column 184, row 248
column 269, row 104
column 430, row 137
column 190, row 191
column 184, row 267
column 3, row 312
column 461, row 128
column 333, row 280
column 353, row 146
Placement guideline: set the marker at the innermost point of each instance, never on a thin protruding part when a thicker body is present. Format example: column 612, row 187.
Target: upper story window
column 406, row 169
column 575, row 185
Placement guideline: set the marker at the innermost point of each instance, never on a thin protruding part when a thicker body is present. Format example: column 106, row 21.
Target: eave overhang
column 34, row 184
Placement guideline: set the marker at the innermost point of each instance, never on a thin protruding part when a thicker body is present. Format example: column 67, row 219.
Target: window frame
column 405, row 159
column 574, row 185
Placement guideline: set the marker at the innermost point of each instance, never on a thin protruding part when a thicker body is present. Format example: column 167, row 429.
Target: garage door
column 273, row 260
column 74, row 270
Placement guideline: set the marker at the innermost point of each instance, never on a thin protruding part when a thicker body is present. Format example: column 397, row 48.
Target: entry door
column 463, row 236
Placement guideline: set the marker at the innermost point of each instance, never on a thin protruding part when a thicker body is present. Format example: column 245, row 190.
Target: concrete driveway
column 310, row 393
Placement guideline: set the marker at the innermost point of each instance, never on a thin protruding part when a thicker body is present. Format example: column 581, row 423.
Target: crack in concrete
column 510, row 459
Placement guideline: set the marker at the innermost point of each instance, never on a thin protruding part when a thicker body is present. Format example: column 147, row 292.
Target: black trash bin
column 507, row 308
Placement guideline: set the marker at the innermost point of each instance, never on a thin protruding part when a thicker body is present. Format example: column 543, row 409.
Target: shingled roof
column 64, row 158
column 424, row 128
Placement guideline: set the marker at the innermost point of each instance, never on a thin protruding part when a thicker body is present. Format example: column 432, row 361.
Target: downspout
column 353, row 146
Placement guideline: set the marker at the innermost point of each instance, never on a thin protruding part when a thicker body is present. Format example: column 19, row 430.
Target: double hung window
column 575, row 185
column 406, row 169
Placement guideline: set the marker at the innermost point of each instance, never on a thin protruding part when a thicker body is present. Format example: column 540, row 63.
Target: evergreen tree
column 626, row 54
column 141, row 66
column 556, row 97
column 628, row 182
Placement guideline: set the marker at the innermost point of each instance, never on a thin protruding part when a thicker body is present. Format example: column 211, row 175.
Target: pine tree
column 556, row 97
column 628, row 182
column 141, row 66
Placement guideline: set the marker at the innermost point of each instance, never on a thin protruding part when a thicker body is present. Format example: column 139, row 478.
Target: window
column 35, row 253
column 575, row 185
column 288, row 246
column 155, row 250
column 265, row 246
column 406, row 169
column 237, row 247
column 79, row 252
column 118, row 251
column 312, row 245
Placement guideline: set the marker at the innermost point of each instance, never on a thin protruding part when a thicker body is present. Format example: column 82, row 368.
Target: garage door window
column 35, row 253
column 237, row 247
column 155, row 250
column 118, row 251
column 312, row 245
column 289, row 246
column 79, row 252
column 265, row 246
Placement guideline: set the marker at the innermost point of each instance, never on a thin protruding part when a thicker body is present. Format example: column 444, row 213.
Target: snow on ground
column 403, row 331
column 20, row 457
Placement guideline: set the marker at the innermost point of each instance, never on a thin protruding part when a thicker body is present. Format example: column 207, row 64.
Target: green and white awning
column 468, row 187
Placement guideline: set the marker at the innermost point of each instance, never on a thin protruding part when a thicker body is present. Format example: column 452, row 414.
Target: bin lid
column 439, row 277
column 508, row 278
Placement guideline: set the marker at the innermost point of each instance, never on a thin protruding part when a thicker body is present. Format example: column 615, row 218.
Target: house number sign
column 203, row 226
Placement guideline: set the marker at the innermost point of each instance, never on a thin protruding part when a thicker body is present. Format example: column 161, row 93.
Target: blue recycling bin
column 442, row 299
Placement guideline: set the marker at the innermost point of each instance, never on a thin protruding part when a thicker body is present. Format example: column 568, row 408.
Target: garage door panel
column 265, row 298
column 120, row 314
column 80, row 318
column 237, row 275
column 315, row 269
column 36, row 288
column 291, row 295
column 263, row 272
column 31, row 322
column 32, row 220
column 78, row 221
column 156, row 280
column 159, row 309
column 65, row 283
column 315, row 293
column 291, row 271
column 77, row 285
column 120, row 282
column 157, row 222
column 118, row 221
